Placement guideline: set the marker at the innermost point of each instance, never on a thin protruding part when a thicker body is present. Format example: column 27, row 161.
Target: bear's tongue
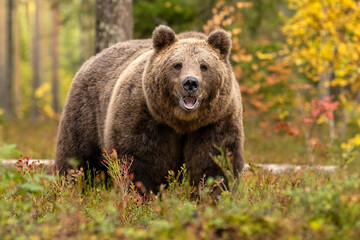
column 189, row 101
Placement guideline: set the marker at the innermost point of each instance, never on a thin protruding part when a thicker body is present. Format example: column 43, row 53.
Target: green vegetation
column 294, row 205
column 9, row 151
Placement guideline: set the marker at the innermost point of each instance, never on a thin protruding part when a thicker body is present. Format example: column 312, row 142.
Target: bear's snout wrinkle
column 190, row 84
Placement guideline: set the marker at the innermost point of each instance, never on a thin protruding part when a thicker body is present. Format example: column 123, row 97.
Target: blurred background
column 297, row 63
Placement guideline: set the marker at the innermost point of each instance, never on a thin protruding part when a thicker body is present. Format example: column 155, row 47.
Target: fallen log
column 275, row 168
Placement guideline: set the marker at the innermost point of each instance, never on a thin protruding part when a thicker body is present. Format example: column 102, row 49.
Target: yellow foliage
column 324, row 36
column 339, row 82
column 49, row 111
column 345, row 146
column 322, row 119
column 265, row 56
column 42, row 90
column 316, row 223
column 353, row 142
column 283, row 115
column 43, row 96
column 326, row 52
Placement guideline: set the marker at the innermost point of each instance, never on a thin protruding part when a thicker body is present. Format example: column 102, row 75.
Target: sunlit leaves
column 323, row 36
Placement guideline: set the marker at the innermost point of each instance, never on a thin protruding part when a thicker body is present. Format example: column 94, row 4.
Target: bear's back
column 113, row 60
column 92, row 86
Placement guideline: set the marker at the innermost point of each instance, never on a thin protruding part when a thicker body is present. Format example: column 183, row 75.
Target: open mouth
column 189, row 103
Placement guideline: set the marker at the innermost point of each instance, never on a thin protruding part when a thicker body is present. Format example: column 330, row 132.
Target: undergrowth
column 305, row 204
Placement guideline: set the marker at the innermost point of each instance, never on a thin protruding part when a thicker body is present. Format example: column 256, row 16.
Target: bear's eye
column 178, row 66
column 203, row 68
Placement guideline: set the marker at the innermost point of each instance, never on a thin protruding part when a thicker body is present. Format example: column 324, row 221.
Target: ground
column 296, row 205
column 307, row 204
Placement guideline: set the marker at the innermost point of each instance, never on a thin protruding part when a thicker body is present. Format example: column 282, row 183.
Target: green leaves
column 9, row 151
column 31, row 187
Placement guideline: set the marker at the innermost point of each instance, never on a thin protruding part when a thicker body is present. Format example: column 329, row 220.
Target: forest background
column 297, row 63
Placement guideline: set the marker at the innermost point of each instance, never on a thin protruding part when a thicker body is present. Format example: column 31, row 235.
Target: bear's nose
column 190, row 84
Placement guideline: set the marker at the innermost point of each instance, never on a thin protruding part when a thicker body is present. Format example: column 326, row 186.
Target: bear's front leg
column 200, row 146
column 154, row 147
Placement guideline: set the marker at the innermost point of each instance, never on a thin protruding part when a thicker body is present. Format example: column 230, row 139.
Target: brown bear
column 164, row 101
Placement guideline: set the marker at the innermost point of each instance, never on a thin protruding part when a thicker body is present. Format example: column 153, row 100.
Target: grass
column 305, row 204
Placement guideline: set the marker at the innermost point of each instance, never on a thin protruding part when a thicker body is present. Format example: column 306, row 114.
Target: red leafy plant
column 322, row 107
column 319, row 108
column 27, row 166
column 119, row 171
column 287, row 128
column 77, row 175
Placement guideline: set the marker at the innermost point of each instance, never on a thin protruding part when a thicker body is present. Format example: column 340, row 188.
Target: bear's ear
column 163, row 37
column 220, row 40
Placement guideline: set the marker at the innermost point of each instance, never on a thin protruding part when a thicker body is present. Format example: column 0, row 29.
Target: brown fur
column 127, row 98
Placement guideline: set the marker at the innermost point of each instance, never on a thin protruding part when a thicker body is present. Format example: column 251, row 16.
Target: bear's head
column 188, row 81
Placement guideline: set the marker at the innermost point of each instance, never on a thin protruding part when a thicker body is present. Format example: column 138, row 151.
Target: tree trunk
column 17, row 92
column 114, row 22
column 326, row 77
column 2, row 53
column 55, row 55
column 7, row 83
column 35, row 60
column 324, row 90
column 87, row 24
